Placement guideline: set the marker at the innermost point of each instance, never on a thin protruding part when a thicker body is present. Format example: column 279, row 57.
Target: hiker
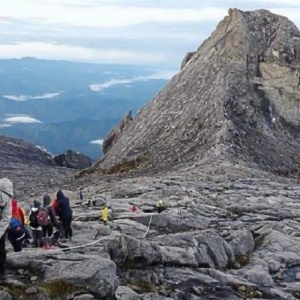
column 104, row 214
column 81, row 194
column 59, row 233
column 160, row 206
column 16, row 211
column 26, row 242
column 133, row 208
column 16, row 231
column 6, row 194
column 65, row 213
column 36, row 229
column 47, row 219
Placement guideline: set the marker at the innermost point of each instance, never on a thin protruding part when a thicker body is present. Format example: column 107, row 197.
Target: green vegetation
column 250, row 292
column 58, row 289
column 126, row 166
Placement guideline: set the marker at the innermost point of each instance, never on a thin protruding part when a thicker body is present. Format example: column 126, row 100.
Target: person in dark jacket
column 16, row 234
column 48, row 229
column 65, row 213
column 36, row 229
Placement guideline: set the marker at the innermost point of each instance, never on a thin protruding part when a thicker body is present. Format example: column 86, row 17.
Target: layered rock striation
column 236, row 99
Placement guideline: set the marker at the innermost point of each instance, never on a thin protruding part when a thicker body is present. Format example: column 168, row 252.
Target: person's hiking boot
column 63, row 240
column 70, row 240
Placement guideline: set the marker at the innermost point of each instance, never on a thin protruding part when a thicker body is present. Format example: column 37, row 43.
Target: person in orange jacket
column 59, row 234
column 26, row 223
column 17, row 212
column 17, row 232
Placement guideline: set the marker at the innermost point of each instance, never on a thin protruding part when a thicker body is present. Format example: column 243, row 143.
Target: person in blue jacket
column 65, row 213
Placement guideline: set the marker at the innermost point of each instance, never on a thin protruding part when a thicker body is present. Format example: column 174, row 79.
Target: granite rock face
column 14, row 151
column 74, row 160
column 236, row 100
column 117, row 132
column 31, row 168
column 230, row 228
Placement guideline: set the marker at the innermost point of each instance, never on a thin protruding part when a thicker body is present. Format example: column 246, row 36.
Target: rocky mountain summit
column 208, row 146
column 235, row 99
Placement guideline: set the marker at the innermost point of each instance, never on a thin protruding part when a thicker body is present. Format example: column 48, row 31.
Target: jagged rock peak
column 236, row 100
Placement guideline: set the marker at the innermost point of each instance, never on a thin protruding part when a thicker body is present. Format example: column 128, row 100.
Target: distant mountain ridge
column 56, row 96
column 15, row 153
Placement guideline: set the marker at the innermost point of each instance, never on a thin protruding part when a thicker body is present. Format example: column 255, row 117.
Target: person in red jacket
column 17, row 232
column 55, row 206
column 17, row 212
column 133, row 208
column 59, row 234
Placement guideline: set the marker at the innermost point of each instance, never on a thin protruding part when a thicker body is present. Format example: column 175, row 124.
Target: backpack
column 33, row 219
column 43, row 217
column 15, row 226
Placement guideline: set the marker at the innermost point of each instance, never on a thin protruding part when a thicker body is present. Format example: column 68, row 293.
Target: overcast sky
column 152, row 32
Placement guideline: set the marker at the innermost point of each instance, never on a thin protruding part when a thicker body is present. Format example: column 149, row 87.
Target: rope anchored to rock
column 63, row 249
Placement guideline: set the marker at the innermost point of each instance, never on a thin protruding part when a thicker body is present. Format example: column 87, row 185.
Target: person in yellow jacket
column 104, row 214
column 26, row 221
column 160, row 206
column 27, row 227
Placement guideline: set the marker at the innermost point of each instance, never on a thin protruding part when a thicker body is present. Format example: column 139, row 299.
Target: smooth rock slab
column 5, row 296
column 84, row 297
column 126, row 293
column 96, row 274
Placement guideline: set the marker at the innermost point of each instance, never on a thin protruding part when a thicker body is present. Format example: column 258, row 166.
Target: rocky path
column 230, row 234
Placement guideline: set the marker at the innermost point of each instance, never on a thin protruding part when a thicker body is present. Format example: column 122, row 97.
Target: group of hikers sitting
column 48, row 223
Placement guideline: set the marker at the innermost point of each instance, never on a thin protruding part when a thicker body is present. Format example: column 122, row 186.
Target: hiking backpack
column 43, row 217
column 33, row 219
column 15, row 225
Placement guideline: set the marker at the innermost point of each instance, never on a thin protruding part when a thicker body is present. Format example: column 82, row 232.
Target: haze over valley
column 62, row 105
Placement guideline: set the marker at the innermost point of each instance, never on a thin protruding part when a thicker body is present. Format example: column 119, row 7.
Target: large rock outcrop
column 31, row 167
column 236, row 100
column 15, row 151
column 74, row 160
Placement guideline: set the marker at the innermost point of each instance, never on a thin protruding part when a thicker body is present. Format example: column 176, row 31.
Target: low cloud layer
column 96, row 142
column 26, row 98
column 5, row 125
column 112, row 82
column 117, row 31
column 24, row 119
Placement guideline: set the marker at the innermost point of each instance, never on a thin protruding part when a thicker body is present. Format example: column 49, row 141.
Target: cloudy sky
column 152, row 32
